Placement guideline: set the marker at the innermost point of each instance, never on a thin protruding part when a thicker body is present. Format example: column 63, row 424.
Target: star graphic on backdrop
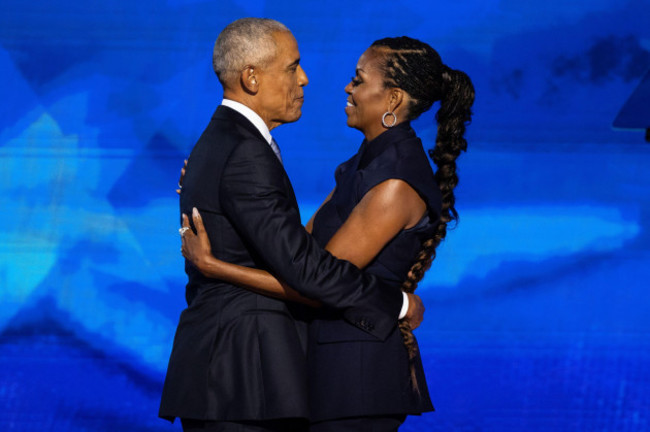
column 97, row 229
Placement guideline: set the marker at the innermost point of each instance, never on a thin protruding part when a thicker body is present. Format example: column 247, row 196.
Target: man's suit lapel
column 230, row 115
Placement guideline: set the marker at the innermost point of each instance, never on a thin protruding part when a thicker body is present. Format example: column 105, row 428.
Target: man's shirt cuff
column 405, row 306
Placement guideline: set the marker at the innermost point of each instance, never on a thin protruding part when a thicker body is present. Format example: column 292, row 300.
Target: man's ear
column 249, row 80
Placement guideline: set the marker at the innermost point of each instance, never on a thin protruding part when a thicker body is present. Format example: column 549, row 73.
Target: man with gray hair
column 238, row 359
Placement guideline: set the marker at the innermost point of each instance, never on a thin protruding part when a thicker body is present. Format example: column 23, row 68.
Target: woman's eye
column 355, row 81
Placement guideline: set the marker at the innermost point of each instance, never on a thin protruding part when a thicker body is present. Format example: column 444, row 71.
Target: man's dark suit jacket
column 238, row 355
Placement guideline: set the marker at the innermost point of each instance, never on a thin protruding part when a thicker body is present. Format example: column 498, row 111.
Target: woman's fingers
column 187, row 231
column 198, row 221
column 180, row 180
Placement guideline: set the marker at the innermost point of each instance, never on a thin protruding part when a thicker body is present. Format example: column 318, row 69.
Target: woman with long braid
column 387, row 214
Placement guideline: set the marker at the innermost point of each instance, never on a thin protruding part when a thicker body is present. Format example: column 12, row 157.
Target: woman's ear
column 396, row 99
column 249, row 80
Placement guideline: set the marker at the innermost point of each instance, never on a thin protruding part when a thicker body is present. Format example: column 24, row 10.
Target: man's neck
column 246, row 100
column 252, row 103
column 251, row 115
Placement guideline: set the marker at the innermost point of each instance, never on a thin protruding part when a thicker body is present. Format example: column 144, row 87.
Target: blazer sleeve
column 256, row 199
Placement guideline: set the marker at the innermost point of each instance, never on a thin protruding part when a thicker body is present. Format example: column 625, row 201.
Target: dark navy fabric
column 238, row 355
column 353, row 373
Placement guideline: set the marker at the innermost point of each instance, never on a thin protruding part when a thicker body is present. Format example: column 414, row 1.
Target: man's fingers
column 415, row 324
column 415, row 313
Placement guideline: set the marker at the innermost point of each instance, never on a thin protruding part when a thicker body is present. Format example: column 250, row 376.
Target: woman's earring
column 383, row 119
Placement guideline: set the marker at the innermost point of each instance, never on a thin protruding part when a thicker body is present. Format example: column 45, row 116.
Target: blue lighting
column 536, row 305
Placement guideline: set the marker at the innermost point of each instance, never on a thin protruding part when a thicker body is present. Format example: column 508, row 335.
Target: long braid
column 416, row 68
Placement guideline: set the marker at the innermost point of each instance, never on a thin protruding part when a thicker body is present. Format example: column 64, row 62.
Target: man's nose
column 302, row 77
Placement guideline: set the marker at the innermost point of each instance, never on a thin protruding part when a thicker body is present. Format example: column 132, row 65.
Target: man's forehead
column 284, row 35
column 286, row 42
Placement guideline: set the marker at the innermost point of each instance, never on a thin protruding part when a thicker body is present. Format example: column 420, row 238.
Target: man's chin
column 294, row 118
column 288, row 118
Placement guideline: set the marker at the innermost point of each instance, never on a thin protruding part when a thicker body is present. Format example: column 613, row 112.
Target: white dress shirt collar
column 251, row 115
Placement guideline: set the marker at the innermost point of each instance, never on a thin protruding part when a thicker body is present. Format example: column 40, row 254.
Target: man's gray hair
column 247, row 41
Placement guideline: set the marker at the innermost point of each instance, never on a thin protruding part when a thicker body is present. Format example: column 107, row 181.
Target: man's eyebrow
column 295, row 63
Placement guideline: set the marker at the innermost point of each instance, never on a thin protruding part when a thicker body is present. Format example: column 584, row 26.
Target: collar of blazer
column 251, row 116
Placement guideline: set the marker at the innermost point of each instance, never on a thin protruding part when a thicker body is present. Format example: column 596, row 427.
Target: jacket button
column 365, row 325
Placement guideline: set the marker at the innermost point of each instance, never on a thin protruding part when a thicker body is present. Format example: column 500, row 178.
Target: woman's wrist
column 208, row 265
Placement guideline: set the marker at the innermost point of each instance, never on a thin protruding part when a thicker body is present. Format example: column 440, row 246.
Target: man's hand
column 415, row 312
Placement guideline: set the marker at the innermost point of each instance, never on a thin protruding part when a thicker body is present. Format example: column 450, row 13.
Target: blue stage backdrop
column 537, row 307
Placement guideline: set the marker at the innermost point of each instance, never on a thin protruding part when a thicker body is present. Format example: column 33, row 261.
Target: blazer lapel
column 230, row 115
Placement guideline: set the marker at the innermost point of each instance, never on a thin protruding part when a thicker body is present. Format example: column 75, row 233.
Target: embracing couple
column 292, row 328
